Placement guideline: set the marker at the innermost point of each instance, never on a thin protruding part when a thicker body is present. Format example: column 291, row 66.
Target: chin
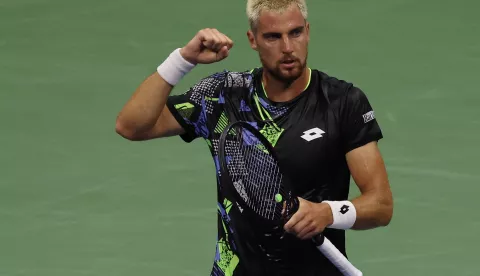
column 289, row 75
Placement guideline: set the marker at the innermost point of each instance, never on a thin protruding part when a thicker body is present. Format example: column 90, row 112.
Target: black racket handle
column 292, row 206
column 318, row 239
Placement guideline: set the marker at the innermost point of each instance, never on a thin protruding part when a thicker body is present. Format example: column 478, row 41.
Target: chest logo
column 312, row 134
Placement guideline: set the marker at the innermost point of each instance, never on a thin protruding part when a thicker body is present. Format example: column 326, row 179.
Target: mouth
column 288, row 63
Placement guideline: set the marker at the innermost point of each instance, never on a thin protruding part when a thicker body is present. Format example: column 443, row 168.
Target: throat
column 278, row 91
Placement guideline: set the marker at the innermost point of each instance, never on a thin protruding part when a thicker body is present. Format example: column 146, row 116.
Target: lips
column 288, row 63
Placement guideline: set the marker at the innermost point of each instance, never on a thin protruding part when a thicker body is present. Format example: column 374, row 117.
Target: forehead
column 274, row 21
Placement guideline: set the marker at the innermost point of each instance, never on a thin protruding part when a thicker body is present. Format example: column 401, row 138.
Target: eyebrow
column 299, row 28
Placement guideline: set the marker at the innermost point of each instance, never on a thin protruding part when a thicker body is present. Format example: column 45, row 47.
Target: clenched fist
column 208, row 46
column 310, row 219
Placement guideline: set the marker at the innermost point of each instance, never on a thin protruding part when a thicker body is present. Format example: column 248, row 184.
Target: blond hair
column 255, row 7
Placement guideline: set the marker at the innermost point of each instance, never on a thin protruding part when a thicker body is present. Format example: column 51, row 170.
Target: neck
column 281, row 91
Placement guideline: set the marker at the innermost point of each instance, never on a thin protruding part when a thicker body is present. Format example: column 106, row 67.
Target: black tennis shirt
column 313, row 133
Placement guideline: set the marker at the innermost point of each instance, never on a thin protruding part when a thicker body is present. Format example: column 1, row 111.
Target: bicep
column 368, row 170
column 165, row 126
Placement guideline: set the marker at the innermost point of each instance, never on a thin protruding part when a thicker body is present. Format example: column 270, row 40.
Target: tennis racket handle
column 338, row 259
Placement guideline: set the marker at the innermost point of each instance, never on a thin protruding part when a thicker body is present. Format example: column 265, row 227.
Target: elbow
column 124, row 131
column 387, row 214
column 386, row 218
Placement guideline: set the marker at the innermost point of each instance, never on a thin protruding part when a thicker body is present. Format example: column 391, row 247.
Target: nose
column 287, row 46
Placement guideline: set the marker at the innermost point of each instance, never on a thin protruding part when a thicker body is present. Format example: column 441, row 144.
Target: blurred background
column 76, row 199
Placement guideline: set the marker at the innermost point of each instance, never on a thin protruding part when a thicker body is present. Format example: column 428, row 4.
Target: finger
column 227, row 41
column 208, row 39
column 297, row 217
column 230, row 42
column 223, row 40
column 218, row 35
column 203, row 35
column 308, row 230
column 223, row 53
column 217, row 40
column 301, row 227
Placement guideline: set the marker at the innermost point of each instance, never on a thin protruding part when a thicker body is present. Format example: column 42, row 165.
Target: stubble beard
column 277, row 74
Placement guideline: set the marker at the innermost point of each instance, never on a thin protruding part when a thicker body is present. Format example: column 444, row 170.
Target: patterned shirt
column 311, row 135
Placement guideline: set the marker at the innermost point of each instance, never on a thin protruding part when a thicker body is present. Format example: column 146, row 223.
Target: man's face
column 281, row 40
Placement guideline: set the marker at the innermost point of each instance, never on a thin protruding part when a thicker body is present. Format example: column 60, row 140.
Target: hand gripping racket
column 252, row 176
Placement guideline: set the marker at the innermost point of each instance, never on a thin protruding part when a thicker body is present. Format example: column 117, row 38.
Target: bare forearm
column 374, row 210
column 143, row 109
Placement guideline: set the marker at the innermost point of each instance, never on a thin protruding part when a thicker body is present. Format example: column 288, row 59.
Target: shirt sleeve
column 359, row 124
column 194, row 109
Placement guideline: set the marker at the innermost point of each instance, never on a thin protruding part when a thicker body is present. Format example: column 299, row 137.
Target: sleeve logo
column 369, row 116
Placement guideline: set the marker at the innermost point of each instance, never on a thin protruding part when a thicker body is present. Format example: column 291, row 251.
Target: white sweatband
column 344, row 214
column 174, row 68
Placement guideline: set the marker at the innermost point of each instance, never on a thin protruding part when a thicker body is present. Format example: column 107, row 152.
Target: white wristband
column 344, row 214
column 174, row 68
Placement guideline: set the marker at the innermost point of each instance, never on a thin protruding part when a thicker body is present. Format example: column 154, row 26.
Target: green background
column 77, row 199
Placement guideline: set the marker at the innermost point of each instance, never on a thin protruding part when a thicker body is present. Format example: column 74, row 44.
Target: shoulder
column 240, row 79
column 226, row 78
column 336, row 90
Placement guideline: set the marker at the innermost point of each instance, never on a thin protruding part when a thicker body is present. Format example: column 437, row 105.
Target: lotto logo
column 344, row 209
column 312, row 134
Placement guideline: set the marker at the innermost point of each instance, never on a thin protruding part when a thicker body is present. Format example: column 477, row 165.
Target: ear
column 251, row 39
column 307, row 29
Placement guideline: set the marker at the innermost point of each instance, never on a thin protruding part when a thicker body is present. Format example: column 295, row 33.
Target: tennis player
column 324, row 130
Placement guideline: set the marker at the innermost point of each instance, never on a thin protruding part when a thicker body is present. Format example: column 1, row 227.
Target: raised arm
column 144, row 116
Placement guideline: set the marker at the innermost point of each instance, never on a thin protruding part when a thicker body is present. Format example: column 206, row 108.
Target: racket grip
column 337, row 258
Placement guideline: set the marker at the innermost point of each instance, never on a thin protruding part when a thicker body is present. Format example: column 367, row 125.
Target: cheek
column 301, row 45
column 268, row 54
column 265, row 54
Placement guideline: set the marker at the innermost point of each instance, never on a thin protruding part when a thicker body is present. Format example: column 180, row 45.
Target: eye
column 271, row 36
column 297, row 32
